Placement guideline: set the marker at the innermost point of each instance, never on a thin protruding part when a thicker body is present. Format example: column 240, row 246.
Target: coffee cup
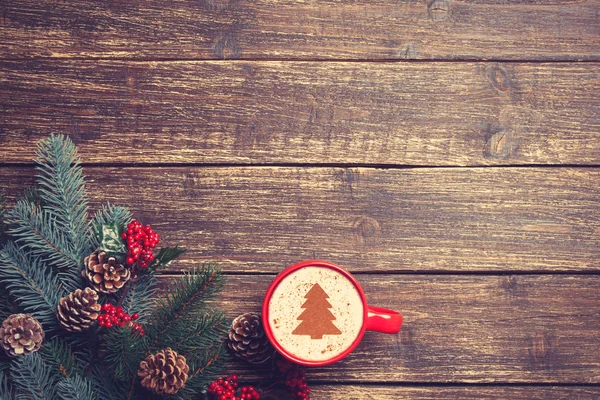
column 315, row 313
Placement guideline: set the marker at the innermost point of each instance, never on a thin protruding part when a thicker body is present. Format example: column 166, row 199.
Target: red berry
column 135, row 316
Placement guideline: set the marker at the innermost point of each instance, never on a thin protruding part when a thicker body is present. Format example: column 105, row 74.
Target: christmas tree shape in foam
column 316, row 318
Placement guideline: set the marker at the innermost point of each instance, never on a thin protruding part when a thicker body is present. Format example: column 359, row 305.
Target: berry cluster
column 226, row 389
column 140, row 241
column 294, row 378
column 113, row 317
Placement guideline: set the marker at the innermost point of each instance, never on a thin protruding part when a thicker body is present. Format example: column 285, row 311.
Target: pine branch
column 3, row 227
column 35, row 229
column 62, row 189
column 193, row 339
column 108, row 215
column 34, row 288
column 123, row 351
column 204, row 370
column 140, row 297
column 32, row 380
column 184, row 302
column 106, row 387
column 76, row 388
column 6, row 392
column 61, row 359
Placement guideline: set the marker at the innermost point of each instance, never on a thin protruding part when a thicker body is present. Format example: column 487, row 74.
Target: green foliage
column 141, row 297
column 34, row 229
column 123, row 351
column 76, row 388
column 62, row 189
column 105, row 386
column 108, row 215
column 205, row 369
column 36, row 289
column 3, row 234
column 183, row 305
column 48, row 234
column 31, row 378
column 60, row 359
column 109, row 237
column 6, row 392
column 165, row 256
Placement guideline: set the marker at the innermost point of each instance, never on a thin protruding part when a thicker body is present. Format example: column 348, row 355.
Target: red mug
column 315, row 313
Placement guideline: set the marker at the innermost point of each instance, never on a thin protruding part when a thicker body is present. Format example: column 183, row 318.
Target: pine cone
column 104, row 273
column 79, row 310
column 247, row 339
column 164, row 373
column 21, row 334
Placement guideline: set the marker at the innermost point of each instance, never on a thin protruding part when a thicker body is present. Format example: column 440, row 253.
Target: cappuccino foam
column 315, row 313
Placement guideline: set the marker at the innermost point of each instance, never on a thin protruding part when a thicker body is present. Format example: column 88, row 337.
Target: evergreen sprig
column 183, row 304
column 141, row 297
column 6, row 391
column 36, row 289
column 62, row 189
column 61, row 359
column 123, row 349
column 3, row 211
column 34, row 229
column 32, row 379
column 76, row 388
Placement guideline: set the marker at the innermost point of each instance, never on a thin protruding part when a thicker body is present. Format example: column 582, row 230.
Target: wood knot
column 540, row 351
column 191, row 184
column 498, row 141
column 366, row 229
column 438, row 10
column 226, row 46
column 511, row 286
column 500, row 78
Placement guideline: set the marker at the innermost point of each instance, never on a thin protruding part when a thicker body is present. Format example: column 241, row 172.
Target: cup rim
column 265, row 312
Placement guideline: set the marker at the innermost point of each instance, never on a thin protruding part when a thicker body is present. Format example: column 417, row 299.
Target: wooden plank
column 262, row 219
column 374, row 392
column 462, row 329
column 307, row 112
column 321, row 29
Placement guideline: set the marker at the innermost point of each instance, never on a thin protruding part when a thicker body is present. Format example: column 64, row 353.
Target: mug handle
column 382, row 320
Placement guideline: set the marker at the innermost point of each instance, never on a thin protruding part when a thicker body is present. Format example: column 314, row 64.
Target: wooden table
column 446, row 152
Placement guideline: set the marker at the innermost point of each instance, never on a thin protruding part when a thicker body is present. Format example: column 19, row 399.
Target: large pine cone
column 21, row 334
column 247, row 339
column 164, row 373
column 104, row 273
column 79, row 310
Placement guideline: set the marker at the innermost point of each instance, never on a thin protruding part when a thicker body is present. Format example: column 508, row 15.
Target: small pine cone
column 79, row 310
column 21, row 334
column 247, row 339
column 104, row 273
column 164, row 373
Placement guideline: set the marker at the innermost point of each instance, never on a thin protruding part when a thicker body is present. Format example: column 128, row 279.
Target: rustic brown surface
column 370, row 392
column 274, row 112
column 509, row 329
column 323, row 29
column 259, row 219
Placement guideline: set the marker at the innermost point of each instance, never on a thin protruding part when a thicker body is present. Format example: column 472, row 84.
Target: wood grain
column 461, row 329
column 373, row 392
column 305, row 112
column 262, row 219
column 321, row 29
